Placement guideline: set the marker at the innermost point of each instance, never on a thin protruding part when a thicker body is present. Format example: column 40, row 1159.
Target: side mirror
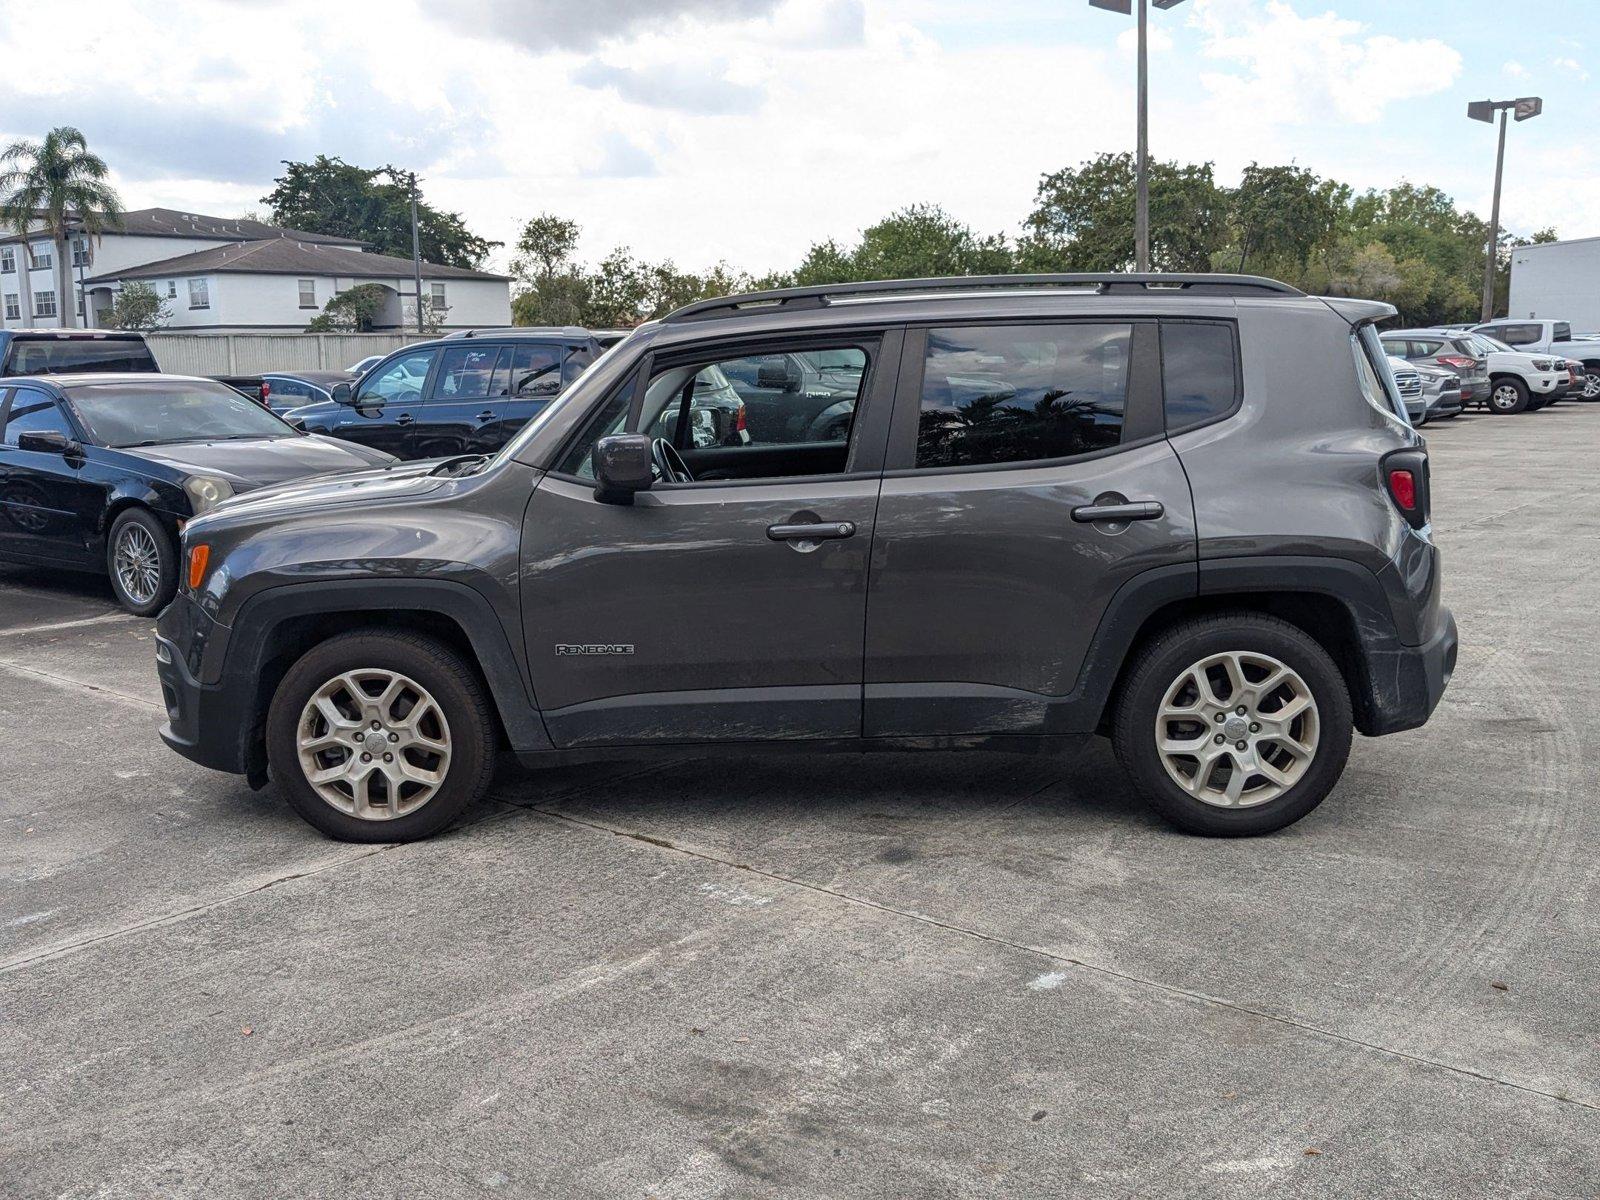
column 343, row 393
column 622, row 466
column 47, row 441
column 295, row 423
column 781, row 378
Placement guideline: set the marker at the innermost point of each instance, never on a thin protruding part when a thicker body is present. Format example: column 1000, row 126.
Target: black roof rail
column 1106, row 283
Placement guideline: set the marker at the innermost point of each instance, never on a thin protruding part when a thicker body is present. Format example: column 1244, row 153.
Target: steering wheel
column 669, row 464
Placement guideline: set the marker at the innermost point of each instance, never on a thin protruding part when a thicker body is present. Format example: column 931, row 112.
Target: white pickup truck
column 1550, row 337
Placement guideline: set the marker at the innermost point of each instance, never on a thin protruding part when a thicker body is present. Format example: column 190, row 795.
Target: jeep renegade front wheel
column 381, row 737
column 1233, row 725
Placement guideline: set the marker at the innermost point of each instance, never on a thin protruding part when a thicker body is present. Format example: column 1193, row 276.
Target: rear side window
column 464, row 373
column 57, row 356
column 1199, row 372
column 1022, row 393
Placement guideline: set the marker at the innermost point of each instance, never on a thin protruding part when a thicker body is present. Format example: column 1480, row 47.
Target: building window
column 199, row 293
column 43, row 255
column 13, row 306
column 44, row 304
column 78, row 292
column 8, row 260
column 172, row 289
column 436, row 295
column 308, row 293
column 82, row 255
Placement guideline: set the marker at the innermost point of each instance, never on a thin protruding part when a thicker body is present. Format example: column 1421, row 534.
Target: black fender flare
column 256, row 625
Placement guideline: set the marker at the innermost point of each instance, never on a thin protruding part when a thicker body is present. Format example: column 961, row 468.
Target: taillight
column 1405, row 477
column 1402, row 486
column 266, row 390
column 1458, row 362
column 199, row 556
column 739, row 420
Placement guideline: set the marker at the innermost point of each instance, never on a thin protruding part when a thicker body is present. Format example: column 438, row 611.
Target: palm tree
column 60, row 183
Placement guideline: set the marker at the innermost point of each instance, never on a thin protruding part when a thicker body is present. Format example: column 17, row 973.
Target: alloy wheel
column 373, row 744
column 138, row 563
column 1238, row 729
column 1591, row 386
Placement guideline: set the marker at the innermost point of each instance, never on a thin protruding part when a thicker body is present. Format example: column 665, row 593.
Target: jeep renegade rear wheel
column 381, row 737
column 1234, row 725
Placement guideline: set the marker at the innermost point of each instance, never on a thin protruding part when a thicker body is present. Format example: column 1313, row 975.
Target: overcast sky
column 744, row 130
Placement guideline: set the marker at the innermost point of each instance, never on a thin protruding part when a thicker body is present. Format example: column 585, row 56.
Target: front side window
column 199, row 293
column 400, row 381
column 1518, row 335
column 1199, row 372
column 763, row 400
column 165, row 410
column 44, row 304
column 34, row 412
column 43, row 255
column 1022, row 393
column 1562, row 332
column 464, row 372
column 308, row 293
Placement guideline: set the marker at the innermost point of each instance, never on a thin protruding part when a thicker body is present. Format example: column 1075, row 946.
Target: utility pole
column 416, row 250
column 1141, row 203
column 1141, row 207
column 1484, row 110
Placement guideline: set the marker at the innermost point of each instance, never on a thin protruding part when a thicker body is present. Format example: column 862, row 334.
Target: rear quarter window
column 1199, row 372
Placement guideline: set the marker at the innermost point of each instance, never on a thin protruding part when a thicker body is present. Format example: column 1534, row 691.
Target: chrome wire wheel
column 1237, row 730
column 138, row 563
column 373, row 744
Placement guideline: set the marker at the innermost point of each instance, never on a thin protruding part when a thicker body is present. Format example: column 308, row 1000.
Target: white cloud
column 1514, row 70
column 1278, row 67
column 1573, row 65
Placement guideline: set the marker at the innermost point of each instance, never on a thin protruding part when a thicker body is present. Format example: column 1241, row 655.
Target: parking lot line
column 118, row 618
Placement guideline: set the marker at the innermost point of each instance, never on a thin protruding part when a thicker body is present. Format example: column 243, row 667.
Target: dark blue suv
column 462, row 394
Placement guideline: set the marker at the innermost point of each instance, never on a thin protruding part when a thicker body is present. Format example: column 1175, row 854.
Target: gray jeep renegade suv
column 1183, row 511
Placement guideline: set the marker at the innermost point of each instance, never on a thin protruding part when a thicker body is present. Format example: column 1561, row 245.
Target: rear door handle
column 811, row 531
column 1133, row 510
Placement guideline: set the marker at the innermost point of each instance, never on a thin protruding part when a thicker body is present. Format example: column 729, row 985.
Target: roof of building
column 169, row 222
column 288, row 256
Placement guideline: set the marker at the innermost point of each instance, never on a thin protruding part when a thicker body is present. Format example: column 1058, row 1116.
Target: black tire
column 1507, row 395
column 1167, row 657
column 128, row 525
column 453, row 685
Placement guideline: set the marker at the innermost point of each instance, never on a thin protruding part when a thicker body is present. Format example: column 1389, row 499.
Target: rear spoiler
column 1360, row 312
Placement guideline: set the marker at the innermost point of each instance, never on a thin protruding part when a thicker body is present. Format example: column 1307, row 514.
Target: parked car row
column 1545, row 365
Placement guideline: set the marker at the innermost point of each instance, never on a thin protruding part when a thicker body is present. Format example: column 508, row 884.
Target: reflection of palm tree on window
column 994, row 427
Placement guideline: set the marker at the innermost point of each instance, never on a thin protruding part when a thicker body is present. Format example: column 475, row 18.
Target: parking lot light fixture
column 1141, row 203
column 1524, row 108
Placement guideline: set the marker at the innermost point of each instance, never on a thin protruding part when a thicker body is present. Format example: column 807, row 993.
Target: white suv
column 1517, row 381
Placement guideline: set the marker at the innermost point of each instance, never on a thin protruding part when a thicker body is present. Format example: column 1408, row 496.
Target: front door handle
column 404, row 419
column 486, row 415
column 811, row 531
column 1132, row 510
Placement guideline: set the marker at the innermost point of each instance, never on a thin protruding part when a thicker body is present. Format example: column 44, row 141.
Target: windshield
column 60, row 356
column 170, row 410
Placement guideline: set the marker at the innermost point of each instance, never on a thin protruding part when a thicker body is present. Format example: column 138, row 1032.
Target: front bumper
column 205, row 722
column 1406, row 682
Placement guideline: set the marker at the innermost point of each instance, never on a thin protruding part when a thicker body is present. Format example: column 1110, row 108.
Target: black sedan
column 99, row 472
column 292, row 389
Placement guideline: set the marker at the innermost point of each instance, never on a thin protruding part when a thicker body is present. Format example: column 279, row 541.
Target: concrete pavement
column 968, row 975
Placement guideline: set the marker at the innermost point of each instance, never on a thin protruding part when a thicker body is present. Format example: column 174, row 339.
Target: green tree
column 1281, row 216
column 916, row 242
column 352, row 311
column 551, row 289
column 331, row 196
column 1083, row 217
column 138, row 306
column 59, row 184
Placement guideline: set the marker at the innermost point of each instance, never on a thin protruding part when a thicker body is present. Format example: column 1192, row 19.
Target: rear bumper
column 1406, row 682
column 1473, row 390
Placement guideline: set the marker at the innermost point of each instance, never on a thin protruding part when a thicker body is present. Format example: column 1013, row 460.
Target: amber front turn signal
column 199, row 556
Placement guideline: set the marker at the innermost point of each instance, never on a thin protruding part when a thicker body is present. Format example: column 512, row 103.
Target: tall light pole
column 1484, row 110
column 1141, row 203
column 416, row 250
